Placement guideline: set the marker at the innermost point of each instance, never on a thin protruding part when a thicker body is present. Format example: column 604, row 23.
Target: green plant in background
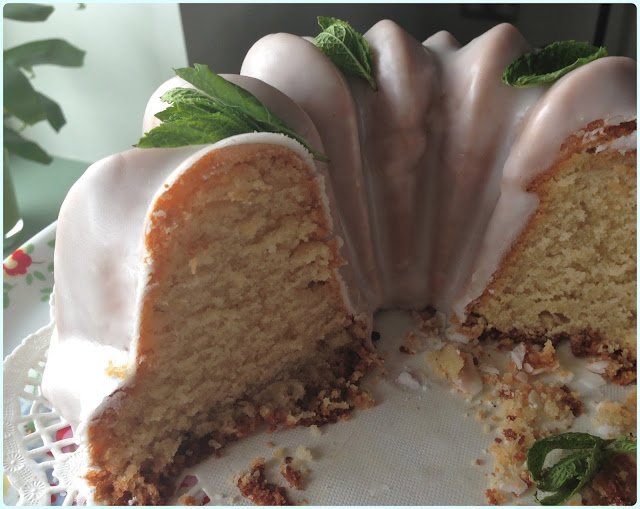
column 23, row 105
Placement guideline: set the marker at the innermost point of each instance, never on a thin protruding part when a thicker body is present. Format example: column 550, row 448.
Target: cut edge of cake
column 595, row 168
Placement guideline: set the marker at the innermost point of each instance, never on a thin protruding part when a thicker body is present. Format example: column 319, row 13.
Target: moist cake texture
column 572, row 272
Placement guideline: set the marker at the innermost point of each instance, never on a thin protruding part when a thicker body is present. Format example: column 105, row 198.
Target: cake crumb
column 304, row 453
column 187, row 500
column 270, row 445
column 446, row 362
column 406, row 350
column 315, row 430
column 413, row 341
column 254, row 487
column 458, row 366
column 617, row 418
column 495, row 497
column 294, row 477
column 116, row 371
column 279, row 453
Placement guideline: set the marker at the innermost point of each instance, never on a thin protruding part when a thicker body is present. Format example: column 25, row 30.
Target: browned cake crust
column 591, row 194
column 243, row 322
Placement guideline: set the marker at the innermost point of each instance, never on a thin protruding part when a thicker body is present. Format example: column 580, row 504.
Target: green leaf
column 44, row 298
column 217, row 109
column 48, row 51
column 230, row 98
column 5, row 300
column 625, row 443
column 594, row 464
column 541, row 448
column 46, row 291
column 53, row 112
column 346, row 48
column 29, row 278
column 573, row 472
column 27, row 12
column 50, row 267
column 39, row 275
column 192, row 97
column 51, row 243
column 15, row 143
column 191, row 130
column 20, row 99
column 6, row 286
column 550, row 63
column 568, row 468
column 28, row 248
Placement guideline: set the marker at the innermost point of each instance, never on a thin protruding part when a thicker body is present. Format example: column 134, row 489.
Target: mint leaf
column 625, row 443
column 346, row 48
column 215, row 110
column 192, row 129
column 227, row 96
column 550, row 63
column 565, row 470
column 594, row 464
column 541, row 448
column 573, row 472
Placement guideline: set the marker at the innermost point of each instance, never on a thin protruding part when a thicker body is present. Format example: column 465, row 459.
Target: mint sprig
column 216, row 109
column 573, row 472
column 550, row 63
column 346, row 48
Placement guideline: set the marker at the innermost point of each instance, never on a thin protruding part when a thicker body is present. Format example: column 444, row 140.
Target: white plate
column 27, row 284
column 414, row 448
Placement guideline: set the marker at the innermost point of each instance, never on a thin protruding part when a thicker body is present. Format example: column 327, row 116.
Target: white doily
column 34, row 450
column 414, row 448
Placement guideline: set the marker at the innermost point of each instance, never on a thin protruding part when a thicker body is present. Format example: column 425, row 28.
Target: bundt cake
column 209, row 289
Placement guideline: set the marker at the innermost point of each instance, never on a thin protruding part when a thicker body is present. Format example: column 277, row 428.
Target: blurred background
column 132, row 48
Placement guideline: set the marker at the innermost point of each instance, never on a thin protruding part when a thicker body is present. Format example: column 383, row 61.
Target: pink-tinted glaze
column 434, row 143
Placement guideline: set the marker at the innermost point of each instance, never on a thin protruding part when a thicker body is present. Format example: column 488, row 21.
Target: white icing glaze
column 623, row 144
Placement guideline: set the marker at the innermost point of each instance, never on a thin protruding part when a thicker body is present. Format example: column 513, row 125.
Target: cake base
column 331, row 400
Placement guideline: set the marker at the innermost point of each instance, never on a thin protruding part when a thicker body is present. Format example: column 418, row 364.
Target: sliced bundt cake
column 203, row 290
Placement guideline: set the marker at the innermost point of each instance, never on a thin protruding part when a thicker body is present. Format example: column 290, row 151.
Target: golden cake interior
column 243, row 321
column 572, row 273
